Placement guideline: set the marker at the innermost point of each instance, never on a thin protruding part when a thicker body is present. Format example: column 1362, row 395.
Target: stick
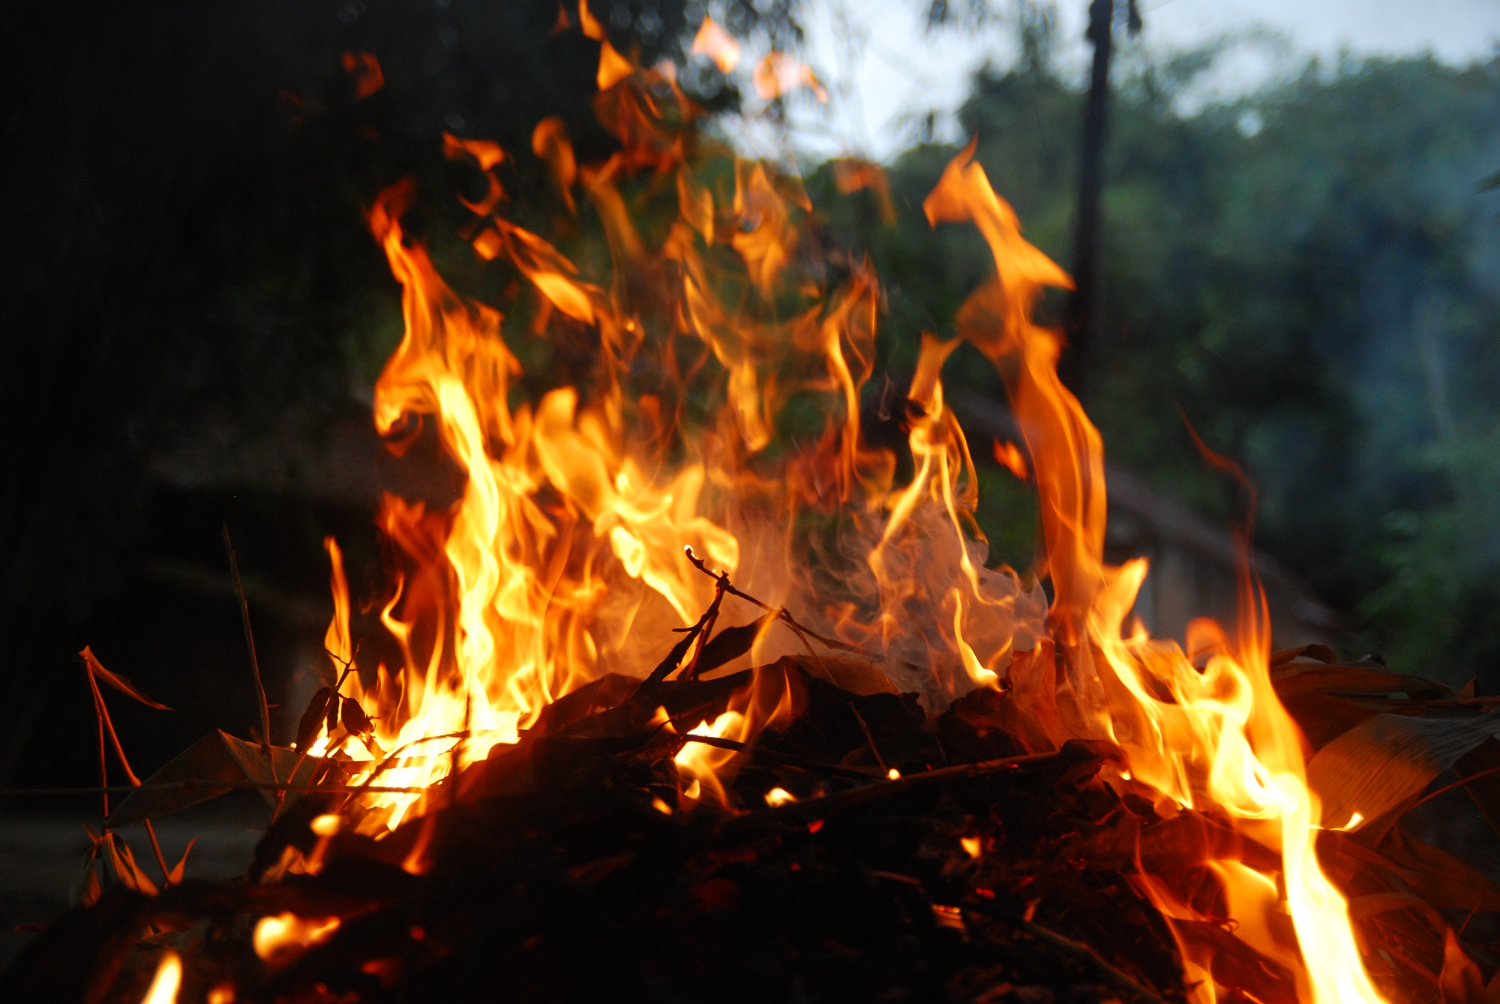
column 690, row 671
column 869, row 738
column 781, row 612
column 838, row 801
column 101, row 712
column 674, row 657
column 789, row 759
column 260, row 690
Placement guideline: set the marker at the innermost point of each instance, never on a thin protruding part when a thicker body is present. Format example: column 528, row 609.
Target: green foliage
column 1307, row 275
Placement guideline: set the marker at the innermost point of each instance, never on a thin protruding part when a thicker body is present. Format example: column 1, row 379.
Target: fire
column 571, row 551
column 282, row 937
column 166, row 982
column 717, row 44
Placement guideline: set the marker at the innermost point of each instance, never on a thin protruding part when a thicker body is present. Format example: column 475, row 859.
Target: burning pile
column 867, row 766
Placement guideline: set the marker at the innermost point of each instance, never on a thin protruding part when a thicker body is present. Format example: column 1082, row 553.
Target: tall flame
column 568, row 554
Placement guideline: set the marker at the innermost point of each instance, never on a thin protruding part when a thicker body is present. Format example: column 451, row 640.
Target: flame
column 667, row 431
column 717, row 44
column 167, row 981
column 1008, row 455
column 781, row 73
column 281, row 938
column 1218, row 737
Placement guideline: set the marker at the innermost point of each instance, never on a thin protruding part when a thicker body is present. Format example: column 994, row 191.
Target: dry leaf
column 1460, row 982
column 731, row 643
column 180, row 869
column 117, row 681
column 122, row 863
column 217, row 757
column 1305, row 678
column 1387, row 760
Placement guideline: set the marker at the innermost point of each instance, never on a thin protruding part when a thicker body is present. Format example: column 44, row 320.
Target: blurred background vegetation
column 1309, row 274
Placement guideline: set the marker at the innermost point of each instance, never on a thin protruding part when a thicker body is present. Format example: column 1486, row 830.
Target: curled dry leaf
column 1460, row 982
column 117, row 681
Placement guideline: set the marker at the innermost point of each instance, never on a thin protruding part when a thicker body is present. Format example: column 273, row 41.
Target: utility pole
column 1083, row 307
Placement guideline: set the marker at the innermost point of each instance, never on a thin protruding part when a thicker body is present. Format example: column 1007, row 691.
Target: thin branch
column 675, row 656
column 260, row 690
column 789, row 759
column 1449, row 787
column 839, row 801
column 780, row 612
column 711, row 617
column 869, row 738
column 101, row 711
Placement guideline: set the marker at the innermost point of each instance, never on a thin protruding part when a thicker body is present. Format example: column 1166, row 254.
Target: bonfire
column 674, row 705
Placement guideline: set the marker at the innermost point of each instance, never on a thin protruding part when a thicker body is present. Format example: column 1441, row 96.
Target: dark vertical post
column 1083, row 308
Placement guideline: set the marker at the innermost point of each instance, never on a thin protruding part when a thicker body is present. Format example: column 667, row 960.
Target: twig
column 789, row 759
column 674, row 657
column 333, row 697
column 690, row 671
column 781, row 613
column 839, row 801
column 869, row 738
column 1084, row 953
column 260, row 690
column 1449, row 787
column 101, row 712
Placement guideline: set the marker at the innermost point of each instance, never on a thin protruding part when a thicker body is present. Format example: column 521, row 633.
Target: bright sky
column 885, row 72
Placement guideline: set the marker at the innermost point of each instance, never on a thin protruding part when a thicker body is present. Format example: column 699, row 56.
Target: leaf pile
column 575, row 867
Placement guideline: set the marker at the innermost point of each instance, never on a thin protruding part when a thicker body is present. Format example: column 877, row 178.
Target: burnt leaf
column 354, row 717
column 312, row 718
column 731, row 643
column 609, row 691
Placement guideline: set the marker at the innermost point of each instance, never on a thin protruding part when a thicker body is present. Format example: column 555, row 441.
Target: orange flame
column 1009, row 456
column 281, row 938
column 717, row 44
column 781, row 73
column 167, row 981
column 567, row 555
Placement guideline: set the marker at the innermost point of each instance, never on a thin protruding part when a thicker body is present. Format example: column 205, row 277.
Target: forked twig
column 106, row 723
column 781, row 613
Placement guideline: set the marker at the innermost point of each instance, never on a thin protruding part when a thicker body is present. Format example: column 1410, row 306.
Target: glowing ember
column 779, row 796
